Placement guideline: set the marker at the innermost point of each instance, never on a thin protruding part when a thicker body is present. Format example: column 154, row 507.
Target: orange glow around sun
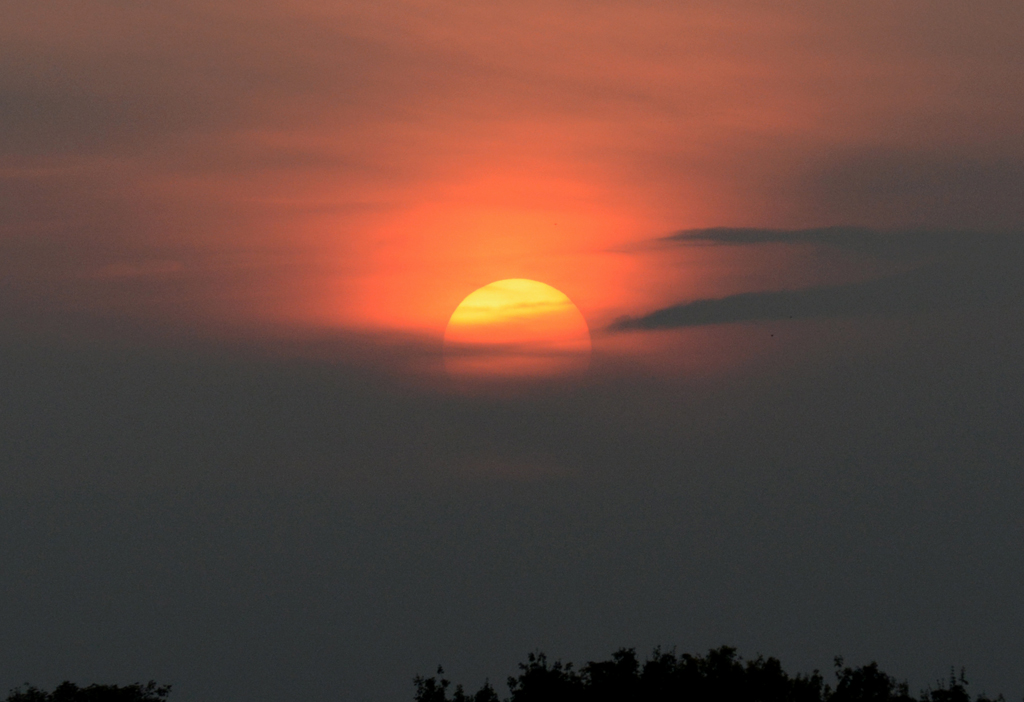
column 516, row 328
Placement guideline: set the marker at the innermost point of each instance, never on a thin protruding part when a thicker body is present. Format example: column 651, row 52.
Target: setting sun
column 516, row 328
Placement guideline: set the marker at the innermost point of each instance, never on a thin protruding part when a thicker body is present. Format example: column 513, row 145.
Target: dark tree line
column 69, row 692
column 720, row 676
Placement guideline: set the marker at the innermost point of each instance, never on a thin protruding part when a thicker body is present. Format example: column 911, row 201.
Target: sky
column 232, row 235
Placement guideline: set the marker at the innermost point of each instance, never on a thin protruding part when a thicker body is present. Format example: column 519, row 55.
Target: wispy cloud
column 951, row 269
column 892, row 244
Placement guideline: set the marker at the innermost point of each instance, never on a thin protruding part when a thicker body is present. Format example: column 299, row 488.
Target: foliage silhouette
column 69, row 692
column 435, row 689
column 719, row 676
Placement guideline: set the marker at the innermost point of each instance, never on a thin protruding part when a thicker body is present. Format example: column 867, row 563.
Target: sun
column 516, row 329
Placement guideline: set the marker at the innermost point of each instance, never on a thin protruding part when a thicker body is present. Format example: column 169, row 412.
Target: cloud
column 948, row 270
column 889, row 244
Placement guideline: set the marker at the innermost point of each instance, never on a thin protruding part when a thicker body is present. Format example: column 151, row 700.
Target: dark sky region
column 232, row 233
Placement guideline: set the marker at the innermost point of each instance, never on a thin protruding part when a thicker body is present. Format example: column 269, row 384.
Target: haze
column 232, row 235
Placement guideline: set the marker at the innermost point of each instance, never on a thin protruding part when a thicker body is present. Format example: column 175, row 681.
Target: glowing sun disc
column 516, row 328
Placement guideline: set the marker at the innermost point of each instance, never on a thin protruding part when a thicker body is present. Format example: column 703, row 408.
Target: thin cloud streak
column 891, row 244
column 964, row 270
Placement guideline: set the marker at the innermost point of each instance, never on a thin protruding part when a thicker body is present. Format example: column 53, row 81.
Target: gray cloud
column 950, row 270
column 218, row 521
column 901, row 244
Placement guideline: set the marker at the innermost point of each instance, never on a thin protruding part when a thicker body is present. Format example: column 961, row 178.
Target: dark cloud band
column 962, row 270
column 895, row 244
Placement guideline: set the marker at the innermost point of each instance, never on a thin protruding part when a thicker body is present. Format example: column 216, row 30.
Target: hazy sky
column 232, row 234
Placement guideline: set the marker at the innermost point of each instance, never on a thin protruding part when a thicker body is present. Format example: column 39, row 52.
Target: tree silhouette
column 866, row 684
column 719, row 676
column 435, row 689
column 538, row 681
column 69, row 692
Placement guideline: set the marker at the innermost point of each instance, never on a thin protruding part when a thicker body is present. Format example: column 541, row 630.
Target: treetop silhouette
column 718, row 676
column 70, row 692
